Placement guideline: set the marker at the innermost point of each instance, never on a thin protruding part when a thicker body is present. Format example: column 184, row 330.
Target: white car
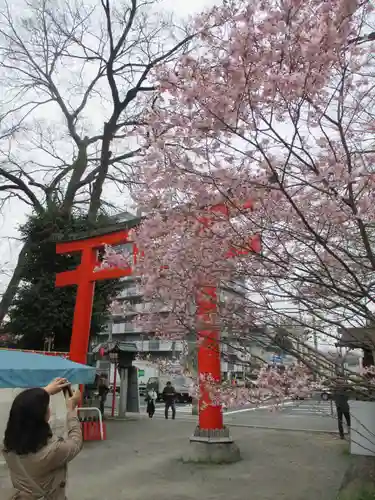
column 300, row 394
column 326, row 395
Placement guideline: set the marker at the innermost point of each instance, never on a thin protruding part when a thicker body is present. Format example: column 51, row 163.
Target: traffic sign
column 276, row 359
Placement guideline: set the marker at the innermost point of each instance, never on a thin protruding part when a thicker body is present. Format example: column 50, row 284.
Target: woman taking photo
column 36, row 459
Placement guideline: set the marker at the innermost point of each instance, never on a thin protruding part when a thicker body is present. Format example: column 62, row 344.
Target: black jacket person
column 169, row 396
column 341, row 399
column 103, row 389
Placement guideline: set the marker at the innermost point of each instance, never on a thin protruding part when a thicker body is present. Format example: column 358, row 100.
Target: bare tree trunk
column 96, row 195
column 78, row 168
column 13, row 284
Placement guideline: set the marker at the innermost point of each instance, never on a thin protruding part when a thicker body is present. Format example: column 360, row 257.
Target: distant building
column 359, row 338
column 124, row 328
column 247, row 350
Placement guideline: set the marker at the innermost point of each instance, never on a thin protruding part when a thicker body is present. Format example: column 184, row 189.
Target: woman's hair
column 27, row 429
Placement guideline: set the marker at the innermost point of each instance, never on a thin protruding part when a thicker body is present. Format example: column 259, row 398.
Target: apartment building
column 124, row 327
column 242, row 351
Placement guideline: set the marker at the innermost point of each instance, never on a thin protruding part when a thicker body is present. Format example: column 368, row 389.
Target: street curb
column 123, row 419
column 266, row 427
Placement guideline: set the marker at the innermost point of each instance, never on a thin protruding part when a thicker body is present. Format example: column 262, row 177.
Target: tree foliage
column 276, row 108
column 39, row 308
column 76, row 80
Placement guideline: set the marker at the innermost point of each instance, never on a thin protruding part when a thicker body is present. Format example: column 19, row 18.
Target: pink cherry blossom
column 274, row 105
column 112, row 258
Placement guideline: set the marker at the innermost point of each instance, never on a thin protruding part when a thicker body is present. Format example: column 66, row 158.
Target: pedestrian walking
column 37, row 460
column 169, row 396
column 103, row 389
column 341, row 399
column 151, row 402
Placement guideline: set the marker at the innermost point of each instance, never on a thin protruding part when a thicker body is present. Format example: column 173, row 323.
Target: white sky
column 15, row 215
column 188, row 7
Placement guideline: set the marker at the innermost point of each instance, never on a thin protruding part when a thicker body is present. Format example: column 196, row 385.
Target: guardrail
column 96, row 410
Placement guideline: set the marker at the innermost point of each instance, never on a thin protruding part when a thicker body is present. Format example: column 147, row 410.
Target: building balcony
column 131, row 291
column 145, row 343
column 144, row 308
column 126, row 327
column 157, row 345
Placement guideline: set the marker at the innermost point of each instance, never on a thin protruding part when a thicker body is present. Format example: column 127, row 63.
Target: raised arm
column 64, row 450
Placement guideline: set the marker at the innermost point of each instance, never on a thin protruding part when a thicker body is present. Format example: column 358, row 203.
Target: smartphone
column 68, row 393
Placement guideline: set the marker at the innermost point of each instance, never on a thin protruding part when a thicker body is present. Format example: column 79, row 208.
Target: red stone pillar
column 210, row 413
column 83, row 309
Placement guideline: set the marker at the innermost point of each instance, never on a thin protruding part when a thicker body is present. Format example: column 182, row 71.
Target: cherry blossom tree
column 276, row 107
column 270, row 121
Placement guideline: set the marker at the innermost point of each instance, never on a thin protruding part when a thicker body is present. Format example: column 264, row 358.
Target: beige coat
column 45, row 471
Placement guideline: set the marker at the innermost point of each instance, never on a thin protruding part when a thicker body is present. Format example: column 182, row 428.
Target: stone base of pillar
column 212, row 446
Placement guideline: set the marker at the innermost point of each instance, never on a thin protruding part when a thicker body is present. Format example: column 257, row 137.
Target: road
column 315, row 415
column 302, row 415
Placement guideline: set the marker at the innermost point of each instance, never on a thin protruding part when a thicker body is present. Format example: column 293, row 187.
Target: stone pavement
column 297, row 417
column 141, row 460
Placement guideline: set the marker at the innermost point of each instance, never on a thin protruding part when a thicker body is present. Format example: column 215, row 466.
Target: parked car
column 111, row 387
column 142, row 388
column 300, row 395
column 326, row 394
column 180, row 383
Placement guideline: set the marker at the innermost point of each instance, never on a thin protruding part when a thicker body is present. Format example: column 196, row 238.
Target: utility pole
column 110, row 329
column 49, row 340
column 191, row 363
column 315, row 334
column 315, row 340
column 316, row 344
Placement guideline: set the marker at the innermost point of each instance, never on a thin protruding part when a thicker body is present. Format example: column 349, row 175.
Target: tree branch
column 23, row 187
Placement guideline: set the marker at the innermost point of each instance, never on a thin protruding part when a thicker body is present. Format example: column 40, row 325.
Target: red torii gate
column 84, row 276
column 87, row 273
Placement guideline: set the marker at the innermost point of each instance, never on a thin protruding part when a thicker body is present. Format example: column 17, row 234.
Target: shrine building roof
column 90, row 233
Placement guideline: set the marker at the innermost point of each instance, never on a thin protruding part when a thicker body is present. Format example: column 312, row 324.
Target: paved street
column 141, row 459
column 309, row 415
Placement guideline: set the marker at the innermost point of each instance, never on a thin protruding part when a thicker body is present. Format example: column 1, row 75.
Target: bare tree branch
column 76, row 86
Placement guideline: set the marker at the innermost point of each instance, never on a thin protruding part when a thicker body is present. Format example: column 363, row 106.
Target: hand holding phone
column 57, row 385
column 68, row 393
column 74, row 400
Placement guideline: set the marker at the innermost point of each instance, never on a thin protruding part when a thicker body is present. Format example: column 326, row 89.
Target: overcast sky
column 11, row 218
